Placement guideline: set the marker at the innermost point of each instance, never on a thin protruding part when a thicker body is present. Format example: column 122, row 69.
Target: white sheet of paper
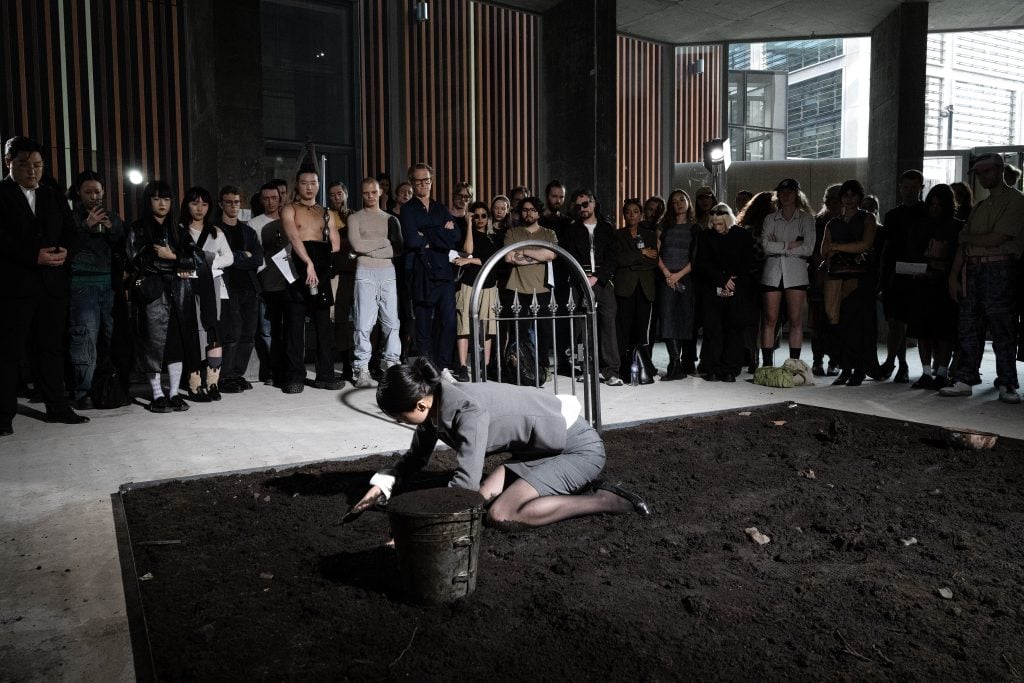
column 281, row 260
column 452, row 255
column 904, row 268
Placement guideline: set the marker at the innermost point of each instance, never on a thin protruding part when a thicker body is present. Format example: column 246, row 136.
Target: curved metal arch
column 591, row 371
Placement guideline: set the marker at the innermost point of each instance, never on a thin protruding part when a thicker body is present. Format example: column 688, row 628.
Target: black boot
column 674, row 363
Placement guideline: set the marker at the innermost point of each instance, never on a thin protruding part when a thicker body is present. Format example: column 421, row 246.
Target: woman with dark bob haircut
column 555, row 452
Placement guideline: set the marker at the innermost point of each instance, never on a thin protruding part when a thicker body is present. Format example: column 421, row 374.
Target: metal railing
column 581, row 321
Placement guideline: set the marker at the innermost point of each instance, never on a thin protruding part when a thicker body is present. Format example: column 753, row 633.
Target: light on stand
column 135, row 176
column 718, row 159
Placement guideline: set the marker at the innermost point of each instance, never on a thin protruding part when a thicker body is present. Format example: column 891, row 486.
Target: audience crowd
column 183, row 295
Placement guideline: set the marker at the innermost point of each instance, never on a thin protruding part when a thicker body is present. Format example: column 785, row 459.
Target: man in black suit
column 36, row 229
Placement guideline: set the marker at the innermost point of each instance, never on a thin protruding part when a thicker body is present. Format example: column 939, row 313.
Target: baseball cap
column 986, row 160
column 788, row 184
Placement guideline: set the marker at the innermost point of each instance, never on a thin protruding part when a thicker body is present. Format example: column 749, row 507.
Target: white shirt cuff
column 386, row 482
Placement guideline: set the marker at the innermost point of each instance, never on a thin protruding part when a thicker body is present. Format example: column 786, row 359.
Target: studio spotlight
column 717, row 155
column 135, row 176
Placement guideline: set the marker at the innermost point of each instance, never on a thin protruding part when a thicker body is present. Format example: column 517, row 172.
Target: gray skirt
column 567, row 472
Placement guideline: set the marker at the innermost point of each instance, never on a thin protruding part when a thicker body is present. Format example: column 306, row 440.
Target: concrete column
column 578, row 70
column 896, row 130
column 225, row 94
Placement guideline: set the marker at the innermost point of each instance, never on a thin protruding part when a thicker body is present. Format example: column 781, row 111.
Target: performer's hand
column 311, row 278
column 364, row 504
column 52, row 257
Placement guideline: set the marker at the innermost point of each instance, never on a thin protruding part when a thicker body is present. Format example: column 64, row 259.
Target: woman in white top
column 209, row 288
column 788, row 240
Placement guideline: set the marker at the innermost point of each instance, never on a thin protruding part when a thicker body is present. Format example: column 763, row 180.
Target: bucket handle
column 462, row 542
column 462, row 577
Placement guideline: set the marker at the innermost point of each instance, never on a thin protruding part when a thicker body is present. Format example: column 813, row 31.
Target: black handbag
column 845, row 265
column 147, row 288
column 108, row 391
column 519, row 364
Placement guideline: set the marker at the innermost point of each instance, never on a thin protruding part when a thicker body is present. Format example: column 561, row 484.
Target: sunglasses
column 480, row 216
column 718, row 213
column 583, row 205
column 463, row 196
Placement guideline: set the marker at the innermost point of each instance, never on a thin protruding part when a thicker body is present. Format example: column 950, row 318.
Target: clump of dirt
column 869, row 534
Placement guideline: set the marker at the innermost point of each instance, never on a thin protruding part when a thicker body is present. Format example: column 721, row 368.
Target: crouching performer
column 555, row 452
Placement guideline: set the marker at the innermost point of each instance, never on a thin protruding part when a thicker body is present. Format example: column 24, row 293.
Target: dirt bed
column 263, row 584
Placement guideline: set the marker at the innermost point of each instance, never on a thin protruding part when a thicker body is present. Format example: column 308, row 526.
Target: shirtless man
column 304, row 222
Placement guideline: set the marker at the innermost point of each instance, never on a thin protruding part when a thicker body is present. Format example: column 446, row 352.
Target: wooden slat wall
column 470, row 94
column 639, row 121
column 698, row 100
column 99, row 83
column 374, row 78
column 506, row 68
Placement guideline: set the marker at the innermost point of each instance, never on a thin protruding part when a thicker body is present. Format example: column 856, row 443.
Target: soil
column 265, row 584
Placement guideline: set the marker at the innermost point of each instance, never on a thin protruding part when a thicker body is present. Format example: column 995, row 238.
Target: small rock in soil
column 909, row 541
column 808, row 473
column 148, row 576
column 756, row 536
column 266, row 575
column 946, row 593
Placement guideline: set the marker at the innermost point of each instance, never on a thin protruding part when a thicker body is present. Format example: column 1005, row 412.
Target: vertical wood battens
column 698, row 99
column 639, row 127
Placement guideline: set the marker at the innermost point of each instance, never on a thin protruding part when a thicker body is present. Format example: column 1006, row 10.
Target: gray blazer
column 489, row 417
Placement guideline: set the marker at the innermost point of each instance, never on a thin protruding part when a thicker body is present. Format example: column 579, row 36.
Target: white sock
column 174, row 374
column 154, row 383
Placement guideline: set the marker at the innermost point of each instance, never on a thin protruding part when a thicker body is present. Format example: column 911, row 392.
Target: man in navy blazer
column 36, row 231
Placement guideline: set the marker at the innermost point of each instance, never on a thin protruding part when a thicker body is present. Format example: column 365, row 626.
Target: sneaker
column 1009, row 395
column 363, row 379
column 958, row 389
column 462, row 374
column 447, row 376
column 614, row 381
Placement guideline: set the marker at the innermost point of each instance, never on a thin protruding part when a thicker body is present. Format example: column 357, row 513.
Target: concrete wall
column 578, row 74
column 896, row 138
column 225, row 105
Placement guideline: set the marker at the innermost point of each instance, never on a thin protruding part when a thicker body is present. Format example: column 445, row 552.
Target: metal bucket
column 437, row 536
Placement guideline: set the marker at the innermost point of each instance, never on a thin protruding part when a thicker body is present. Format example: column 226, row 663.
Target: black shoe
column 293, row 387
column 178, row 403
column 832, row 371
column 332, row 383
column 213, row 391
column 884, row 371
column 639, row 504
column 231, row 385
column 84, row 403
column 66, row 416
column 902, row 375
column 461, row 373
column 842, row 379
column 244, row 383
column 727, row 377
column 818, row 370
column 198, row 396
column 159, row 405
column 711, row 377
column 926, row 382
column 856, row 379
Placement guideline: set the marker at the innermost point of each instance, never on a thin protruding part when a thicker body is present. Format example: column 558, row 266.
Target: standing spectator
column 164, row 262
column 752, row 218
column 386, row 201
column 703, row 200
column 501, row 216
column 654, row 211
column 787, row 238
column 740, row 203
column 276, row 294
column 894, row 240
column 239, row 311
column 376, row 292
column 636, row 249
column 429, row 233
column 480, row 245
column 822, row 343
column 528, row 278
column 462, row 195
column 36, row 232
column 270, row 212
column 933, row 314
column 403, row 193
column 99, row 234
column 849, row 292
column 591, row 241
column 964, row 200
column 724, row 255
column 984, row 278
column 555, row 220
column 344, row 266
column 677, row 240
column 209, row 290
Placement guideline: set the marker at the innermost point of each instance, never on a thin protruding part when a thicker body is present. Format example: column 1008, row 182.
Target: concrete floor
column 62, row 608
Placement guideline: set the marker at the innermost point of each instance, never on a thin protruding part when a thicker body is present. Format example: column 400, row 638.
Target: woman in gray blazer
column 555, row 452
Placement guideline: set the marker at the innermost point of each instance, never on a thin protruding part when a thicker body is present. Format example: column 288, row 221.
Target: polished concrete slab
column 62, row 609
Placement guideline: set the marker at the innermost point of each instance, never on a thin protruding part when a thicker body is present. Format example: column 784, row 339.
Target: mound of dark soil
column 867, row 518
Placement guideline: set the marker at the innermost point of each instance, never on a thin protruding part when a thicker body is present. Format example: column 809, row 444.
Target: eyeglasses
column 463, row 196
column 582, row 205
column 231, row 202
column 480, row 216
column 528, row 209
column 421, row 181
column 718, row 212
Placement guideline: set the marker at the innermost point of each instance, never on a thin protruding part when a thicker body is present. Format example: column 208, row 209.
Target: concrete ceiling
column 712, row 21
